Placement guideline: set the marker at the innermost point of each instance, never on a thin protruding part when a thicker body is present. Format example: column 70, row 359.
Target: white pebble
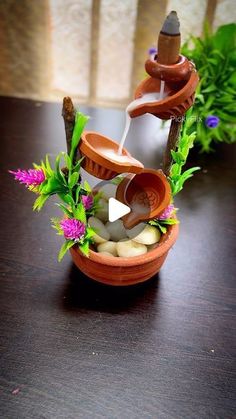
column 101, row 235
column 129, row 248
column 106, row 253
column 102, row 212
column 107, row 247
column 116, row 230
column 148, row 235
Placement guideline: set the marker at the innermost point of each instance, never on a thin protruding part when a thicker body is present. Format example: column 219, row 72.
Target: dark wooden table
column 71, row 348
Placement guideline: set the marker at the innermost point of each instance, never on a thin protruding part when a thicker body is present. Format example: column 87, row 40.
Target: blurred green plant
column 215, row 112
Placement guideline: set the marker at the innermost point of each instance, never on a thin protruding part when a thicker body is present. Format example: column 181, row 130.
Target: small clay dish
column 175, row 104
column 147, row 194
column 99, row 154
column 120, row 271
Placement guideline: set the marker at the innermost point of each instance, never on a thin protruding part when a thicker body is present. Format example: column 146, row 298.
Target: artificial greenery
column 162, row 225
column 177, row 176
column 77, row 202
column 66, row 184
column 215, row 58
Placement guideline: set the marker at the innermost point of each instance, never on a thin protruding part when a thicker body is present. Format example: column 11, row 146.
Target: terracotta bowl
column 100, row 166
column 175, row 104
column 125, row 271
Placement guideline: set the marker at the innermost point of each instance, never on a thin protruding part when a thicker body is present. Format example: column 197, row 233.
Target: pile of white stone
column 113, row 239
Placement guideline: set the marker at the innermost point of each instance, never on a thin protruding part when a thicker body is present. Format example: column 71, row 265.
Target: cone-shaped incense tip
column 171, row 24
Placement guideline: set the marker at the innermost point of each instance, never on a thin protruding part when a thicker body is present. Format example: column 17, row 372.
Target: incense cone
column 169, row 40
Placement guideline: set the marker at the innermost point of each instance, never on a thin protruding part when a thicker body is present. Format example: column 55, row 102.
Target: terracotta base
column 125, row 271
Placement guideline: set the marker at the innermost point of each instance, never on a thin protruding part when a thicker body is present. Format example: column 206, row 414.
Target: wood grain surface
column 71, row 348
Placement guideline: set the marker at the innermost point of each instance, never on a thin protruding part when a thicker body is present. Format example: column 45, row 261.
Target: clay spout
column 147, row 194
column 174, row 104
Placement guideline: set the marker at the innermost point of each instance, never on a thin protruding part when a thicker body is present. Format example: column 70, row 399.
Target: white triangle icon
column 116, row 209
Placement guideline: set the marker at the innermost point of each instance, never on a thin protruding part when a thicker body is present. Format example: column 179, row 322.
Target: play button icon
column 116, row 209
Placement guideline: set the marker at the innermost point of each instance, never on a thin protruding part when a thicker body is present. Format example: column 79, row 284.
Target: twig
column 68, row 113
column 171, row 145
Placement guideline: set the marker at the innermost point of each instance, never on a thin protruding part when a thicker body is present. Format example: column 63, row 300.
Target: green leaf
column 80, row 122
column 64, row 248
column 162, row 229
column 77, row 193
column 84, row 248
column 66, row 211
column 87, row 187
column 57, row 162
column 157, row 224
column 67, row 198
column 169, row 221
column 89, row 233
column 52, row 186
column 59, row 174
column 68, row 161
column 175, row 170
column 178, row 157
column 39, row 202
column 201, row 98
column 210, row 89
column 48, row 166
column 43, row 166
column 73, row 179
column 213, row 61
column 209, row 102
column 186, row 175
column 56, row 225
column 36, row 166
column 218, row 53
column 78, row 164
column 224, row 38
column 80, row 213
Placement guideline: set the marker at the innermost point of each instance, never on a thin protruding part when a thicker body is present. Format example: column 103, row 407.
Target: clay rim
column 162, row 247
column 90, row 152
column 185, row 92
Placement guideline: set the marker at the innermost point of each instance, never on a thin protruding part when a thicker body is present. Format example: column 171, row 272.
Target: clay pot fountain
column 147, row 187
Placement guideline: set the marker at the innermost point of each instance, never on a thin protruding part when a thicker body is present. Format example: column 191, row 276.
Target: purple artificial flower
column 212, row 121
column 31, row 177
column 152, row 51
column 167, row 212
column 73, row 229
column 87, row 201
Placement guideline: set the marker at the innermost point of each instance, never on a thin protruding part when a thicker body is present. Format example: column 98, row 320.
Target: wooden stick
column 68, row 113
column 171, row 145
